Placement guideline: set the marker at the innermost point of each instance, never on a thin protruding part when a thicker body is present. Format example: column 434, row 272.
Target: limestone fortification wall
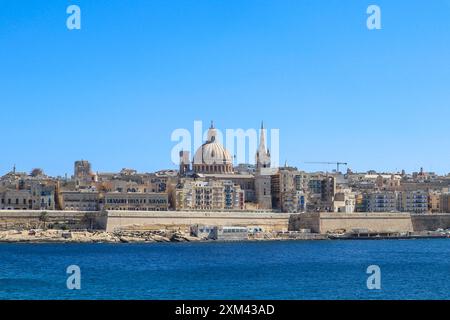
column 430, row 222
column 324, row 222
column 144, row 220
column 29, row 219
column 374, row 222
column 183, row 220
column 305, row 221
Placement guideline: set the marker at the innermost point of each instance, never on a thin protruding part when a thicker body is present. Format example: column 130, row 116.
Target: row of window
column 136, row 201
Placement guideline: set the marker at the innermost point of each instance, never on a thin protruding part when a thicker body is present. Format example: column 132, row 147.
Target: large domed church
column 212, row 162
column 212, row 157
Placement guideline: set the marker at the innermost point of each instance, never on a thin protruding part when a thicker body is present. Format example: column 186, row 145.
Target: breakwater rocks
column 122, row 236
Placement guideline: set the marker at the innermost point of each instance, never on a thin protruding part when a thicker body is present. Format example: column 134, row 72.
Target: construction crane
column 337, row 163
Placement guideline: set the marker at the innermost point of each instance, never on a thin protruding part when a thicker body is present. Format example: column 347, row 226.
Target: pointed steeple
column 262, row 139
column 262, row 154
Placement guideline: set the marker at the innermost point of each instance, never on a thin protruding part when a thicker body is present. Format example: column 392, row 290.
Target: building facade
column 413, row 201
column 80, row 200
column 16, row 200
column 137, row 201
column 209, row 195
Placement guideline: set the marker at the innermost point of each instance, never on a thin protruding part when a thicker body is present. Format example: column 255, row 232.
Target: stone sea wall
column 111, row 221
column 36, row 219
column 428, row 222
column 183, row 220
column 373, row 221
column 305, row 221
column 324, row 222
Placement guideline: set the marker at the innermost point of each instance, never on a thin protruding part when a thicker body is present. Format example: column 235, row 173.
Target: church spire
column 262, row 154
column 262, row 139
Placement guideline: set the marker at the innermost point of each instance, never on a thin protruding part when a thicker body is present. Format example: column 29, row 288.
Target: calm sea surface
column 410, row 269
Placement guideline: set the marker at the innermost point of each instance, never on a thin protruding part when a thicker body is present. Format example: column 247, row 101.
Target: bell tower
column 263, row 179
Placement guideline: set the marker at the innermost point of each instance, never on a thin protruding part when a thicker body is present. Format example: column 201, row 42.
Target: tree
column 43, row 217
column 37, row 172
column 88, row 220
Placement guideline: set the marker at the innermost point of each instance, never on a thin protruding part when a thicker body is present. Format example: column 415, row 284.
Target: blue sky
column 114, row 91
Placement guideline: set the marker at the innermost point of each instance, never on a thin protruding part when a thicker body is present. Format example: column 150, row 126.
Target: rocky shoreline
column 158, row 236
column 128, row 236
column 55, row 236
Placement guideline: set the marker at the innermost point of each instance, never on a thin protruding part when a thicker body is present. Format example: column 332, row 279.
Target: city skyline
column 211, row 158
column 237, row 134
column 114, row 91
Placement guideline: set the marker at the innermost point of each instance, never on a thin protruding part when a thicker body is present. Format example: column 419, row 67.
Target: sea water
column 409, row 269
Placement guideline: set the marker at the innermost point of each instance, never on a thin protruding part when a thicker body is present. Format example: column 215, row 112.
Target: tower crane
column 337, row 163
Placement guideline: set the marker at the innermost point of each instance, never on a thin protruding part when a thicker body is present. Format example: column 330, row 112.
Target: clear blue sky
column 114, row 91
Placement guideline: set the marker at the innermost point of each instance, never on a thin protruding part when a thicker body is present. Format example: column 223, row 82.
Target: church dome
column 212, row 157
column 212, row 153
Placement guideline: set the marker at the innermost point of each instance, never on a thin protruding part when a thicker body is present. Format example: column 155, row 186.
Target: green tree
column 88, row 220
column 43, row 217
